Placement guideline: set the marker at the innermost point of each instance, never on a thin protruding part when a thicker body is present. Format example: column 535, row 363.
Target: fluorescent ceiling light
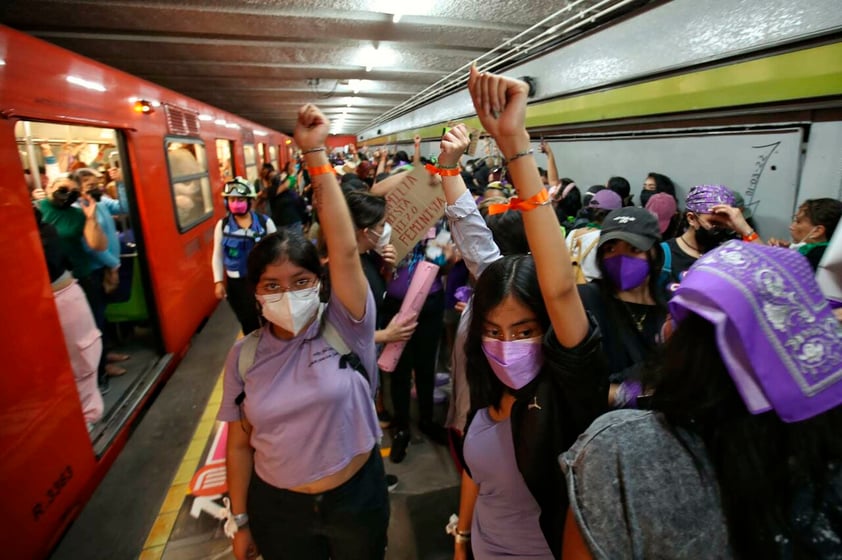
column 205, row 118
column 75, row 80
column 260, row 133
column 220, row 122
column 396, row 18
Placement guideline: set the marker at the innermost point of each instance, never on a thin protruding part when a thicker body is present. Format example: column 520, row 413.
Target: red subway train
column 174, row 154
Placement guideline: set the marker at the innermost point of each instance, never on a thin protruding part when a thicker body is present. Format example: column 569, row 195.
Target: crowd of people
column 627, row 381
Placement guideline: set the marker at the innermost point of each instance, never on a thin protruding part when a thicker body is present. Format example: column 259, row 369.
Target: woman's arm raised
column 500, row 103
column 311, row 131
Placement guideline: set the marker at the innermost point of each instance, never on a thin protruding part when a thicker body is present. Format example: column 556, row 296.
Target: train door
column 114, row 281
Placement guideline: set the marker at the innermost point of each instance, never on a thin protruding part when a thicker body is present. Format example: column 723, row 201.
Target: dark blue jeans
column 346, row 523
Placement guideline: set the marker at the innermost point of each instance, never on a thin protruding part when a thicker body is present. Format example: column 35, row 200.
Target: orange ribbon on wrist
column 433, row 170
column 515, row 203
column 321, row 170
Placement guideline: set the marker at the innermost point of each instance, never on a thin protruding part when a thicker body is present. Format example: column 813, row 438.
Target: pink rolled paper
column 416, row 295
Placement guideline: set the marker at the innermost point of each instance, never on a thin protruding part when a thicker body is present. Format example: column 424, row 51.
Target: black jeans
column 346, row 523
column 242, row 301
column 418, row 355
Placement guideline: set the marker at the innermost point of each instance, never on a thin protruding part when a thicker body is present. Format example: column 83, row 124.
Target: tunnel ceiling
column 262, row 59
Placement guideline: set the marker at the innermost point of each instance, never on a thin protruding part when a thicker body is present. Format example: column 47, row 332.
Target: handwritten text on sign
column 412, row 207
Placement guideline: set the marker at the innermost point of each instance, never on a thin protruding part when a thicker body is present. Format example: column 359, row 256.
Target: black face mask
column 645, row 196
column 707, row 239
column 96, row 194
column 64, row 197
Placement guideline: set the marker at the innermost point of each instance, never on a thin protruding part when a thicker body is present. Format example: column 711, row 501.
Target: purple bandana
column 774, row 329
column 702, row 198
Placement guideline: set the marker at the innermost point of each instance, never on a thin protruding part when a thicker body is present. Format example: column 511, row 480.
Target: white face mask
column 385, row 237
column 291, row 310
column 803, row 241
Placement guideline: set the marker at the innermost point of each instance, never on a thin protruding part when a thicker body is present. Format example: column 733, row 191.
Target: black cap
column 636, row 226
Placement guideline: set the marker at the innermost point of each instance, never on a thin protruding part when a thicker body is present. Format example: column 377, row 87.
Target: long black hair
column 515, row 276
column 281, row 246
column 762, row 464
column 366, row 209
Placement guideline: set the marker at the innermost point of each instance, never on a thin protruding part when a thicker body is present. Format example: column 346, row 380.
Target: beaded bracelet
column 528, row 152
column 313, row 151
column 320, row 170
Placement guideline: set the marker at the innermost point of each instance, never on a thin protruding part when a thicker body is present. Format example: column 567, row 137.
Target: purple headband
column 775, row 331
column 702, row 198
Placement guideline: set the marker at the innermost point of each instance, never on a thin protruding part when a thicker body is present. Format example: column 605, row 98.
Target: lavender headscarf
column 702, row 198
column 775, row 331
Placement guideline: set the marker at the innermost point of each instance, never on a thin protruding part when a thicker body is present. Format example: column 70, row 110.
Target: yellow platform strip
column 153, row 548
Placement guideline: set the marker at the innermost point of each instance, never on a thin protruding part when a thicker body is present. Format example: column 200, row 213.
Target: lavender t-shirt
column 309, row 417
column 505, row 522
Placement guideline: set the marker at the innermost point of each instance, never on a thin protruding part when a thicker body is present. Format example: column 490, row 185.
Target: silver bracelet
column 528, row 152
column 313, row 150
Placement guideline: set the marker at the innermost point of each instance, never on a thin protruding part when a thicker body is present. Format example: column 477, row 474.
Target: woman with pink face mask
column 534, row 362
column 233, row 239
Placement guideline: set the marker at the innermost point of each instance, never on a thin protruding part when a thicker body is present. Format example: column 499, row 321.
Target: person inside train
column 664, row 208
column 534, row 363
column 656, row 183
column 621, row 186
column 105, row 265
column 304, row 471
column 582, row 242
column 78, row 228
column 812, row 228
column 739, row 456
column 711, row 219
column 234, row 236
column 82, row 338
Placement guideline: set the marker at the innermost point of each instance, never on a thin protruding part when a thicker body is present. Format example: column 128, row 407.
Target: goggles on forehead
column 237, row 187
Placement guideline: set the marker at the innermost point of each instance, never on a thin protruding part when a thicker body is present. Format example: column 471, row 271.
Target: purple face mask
column 626, row 272
column 514, row 362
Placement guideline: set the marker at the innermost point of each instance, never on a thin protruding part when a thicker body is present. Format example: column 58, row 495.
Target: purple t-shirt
column 505, row 523
column 309, row 417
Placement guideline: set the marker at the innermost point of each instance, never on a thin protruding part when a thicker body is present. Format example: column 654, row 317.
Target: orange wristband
column 448, row 172
column 531, row 203
column 320, row 170
column 751, row 237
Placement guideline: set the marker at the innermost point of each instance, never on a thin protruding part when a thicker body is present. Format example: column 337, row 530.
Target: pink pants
column 84, row 345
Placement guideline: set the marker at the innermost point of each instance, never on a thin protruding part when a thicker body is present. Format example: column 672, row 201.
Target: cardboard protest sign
column 412, row 207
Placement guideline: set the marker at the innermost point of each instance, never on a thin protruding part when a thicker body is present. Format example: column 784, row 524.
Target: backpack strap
column 346, row 356
column 247, row 352
column 666, row 269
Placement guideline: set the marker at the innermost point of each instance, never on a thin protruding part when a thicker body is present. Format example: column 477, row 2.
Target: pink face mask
column 514, row 362
column 238, row 206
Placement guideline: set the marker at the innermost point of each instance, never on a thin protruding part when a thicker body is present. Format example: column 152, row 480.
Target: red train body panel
column 50, row 467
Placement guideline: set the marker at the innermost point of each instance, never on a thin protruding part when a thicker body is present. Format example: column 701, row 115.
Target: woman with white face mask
column 305, row 475
column 812, row 227
column 535, row 368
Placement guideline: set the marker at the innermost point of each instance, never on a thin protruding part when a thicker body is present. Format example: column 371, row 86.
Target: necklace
column 688, row 244
column 637, row 320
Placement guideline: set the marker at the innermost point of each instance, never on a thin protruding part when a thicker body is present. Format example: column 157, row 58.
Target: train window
column 251, row 162
column 191, row 191
column 273, row 156
column 223, row 156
